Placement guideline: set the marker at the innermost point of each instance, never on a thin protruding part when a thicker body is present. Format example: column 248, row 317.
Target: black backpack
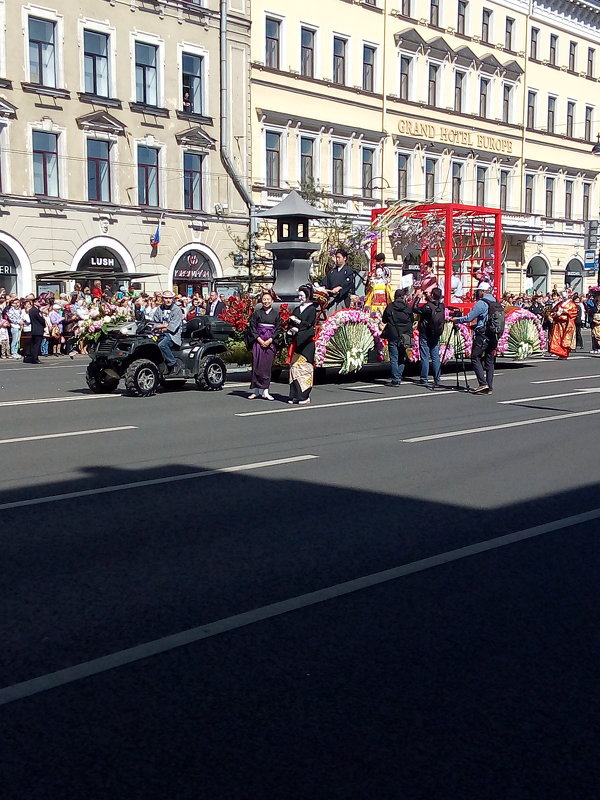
column 496, row 319
column 437, row 320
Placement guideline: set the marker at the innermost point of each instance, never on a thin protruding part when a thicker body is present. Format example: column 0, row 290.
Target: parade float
column 451, row 245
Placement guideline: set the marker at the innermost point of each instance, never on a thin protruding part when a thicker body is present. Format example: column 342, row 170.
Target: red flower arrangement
column 237, row 312
column 284, row 313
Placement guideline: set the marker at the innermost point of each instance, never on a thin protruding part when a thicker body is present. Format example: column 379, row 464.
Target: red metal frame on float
column 475, row 240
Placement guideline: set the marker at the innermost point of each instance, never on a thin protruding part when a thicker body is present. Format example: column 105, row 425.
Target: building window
column 430, row 176
column 529, row 183
column 339, row 60
column 551, row 114
column 307, row 171
column 402, row 176
column 456, row 181
column 461, row 16
column 572, row 56
column 484, row 86
column 587, row 126
column 191, row 83
column 553, row 46
column 504, row 175
column 549, row 197
column 405, row 65
column 486, row 22
column 506, row 102
column 434, row 13
column 533, row 45
column 147, row 171
column 508, row 33
column 307, row 53
column 368, row 75
column 42, row 57
column 272, row 33
column 45, row 164
column 570, row 118
column 568, row 199
column 273, row 151
column 192, row 181
column 95, row 59
column 406, row 8
column 98, row 170
column 480, row 186
column 146, row 74
column 368, row 157
column 459, row 84
column 591, row 55
column 337, row 182
column 432, row 85
column 531, row 97
column 586, row 201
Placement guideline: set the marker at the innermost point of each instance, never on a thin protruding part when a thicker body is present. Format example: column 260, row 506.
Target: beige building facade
column 110, row 130
column 483, row 103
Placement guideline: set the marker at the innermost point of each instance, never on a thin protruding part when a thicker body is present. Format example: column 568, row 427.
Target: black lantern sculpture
column 292, row 250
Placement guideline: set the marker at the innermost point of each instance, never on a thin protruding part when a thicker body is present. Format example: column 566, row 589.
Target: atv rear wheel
column 211, row 374
column 141, row 378
column 98, row 381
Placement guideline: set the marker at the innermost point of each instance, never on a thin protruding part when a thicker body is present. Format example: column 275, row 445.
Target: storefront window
column 8, row 271
column 193, row 274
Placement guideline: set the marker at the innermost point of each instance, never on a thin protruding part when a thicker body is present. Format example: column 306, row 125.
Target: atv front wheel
column 211, row 374
column 98, row 381
column 141, row 378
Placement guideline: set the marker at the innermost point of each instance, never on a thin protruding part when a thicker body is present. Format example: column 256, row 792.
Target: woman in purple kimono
column 263, row 329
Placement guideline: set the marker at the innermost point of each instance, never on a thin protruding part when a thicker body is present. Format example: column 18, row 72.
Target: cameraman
column 484, row 344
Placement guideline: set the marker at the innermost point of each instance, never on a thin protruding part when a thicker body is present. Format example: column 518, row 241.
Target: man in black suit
column 339, row 282
column 37, row 332
column 214, row 307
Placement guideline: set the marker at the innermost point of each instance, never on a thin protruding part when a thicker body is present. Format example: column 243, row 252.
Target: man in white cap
column 484, row 341
column 169, row 318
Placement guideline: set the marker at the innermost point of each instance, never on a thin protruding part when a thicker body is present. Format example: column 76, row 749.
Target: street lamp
column 596, row 147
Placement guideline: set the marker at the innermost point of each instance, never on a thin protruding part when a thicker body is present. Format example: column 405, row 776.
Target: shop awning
column 96, row 274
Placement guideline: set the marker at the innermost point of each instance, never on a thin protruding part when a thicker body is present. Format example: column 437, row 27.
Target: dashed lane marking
column 36, row 501
column 96, row 666
column 521, row 423
column 67, row 434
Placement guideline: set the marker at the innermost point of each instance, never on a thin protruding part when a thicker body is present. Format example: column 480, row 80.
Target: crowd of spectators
column 62, row 312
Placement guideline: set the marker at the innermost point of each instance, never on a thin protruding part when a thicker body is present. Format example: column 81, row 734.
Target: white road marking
column 36, row 501
column 59, row 399
column 547, row 360
column 96, row 666
column 561, row 380
column 69, row 433
column 38, row 368
column 468, row 431
column 297, row 408
column 550, row 396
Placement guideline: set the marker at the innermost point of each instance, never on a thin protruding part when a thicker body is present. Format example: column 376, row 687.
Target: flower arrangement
column 238, row 311
column 523, row 335
column 345, row 340
column 98, row 321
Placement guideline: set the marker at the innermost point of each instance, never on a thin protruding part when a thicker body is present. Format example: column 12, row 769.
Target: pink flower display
column 512, row 330
column 348, row 316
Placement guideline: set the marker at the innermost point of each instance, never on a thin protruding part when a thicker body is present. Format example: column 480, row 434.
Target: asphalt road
column 391, row 593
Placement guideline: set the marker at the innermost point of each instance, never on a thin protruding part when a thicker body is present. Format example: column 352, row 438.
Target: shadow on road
column 472, row 680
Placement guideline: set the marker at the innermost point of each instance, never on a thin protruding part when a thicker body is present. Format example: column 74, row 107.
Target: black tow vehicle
column 131, row 353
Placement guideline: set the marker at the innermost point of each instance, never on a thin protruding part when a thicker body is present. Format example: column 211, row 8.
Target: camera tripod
column 455, row 340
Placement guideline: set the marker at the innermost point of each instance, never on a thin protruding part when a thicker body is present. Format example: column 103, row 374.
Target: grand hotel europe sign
column 443, row 133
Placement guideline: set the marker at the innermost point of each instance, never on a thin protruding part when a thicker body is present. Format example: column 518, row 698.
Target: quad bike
column 131, row 353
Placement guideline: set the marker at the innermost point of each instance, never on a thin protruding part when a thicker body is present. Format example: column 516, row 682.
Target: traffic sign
column 590, row 260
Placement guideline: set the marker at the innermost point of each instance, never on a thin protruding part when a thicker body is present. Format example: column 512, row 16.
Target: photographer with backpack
column 489, row 327
column 431, row 324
